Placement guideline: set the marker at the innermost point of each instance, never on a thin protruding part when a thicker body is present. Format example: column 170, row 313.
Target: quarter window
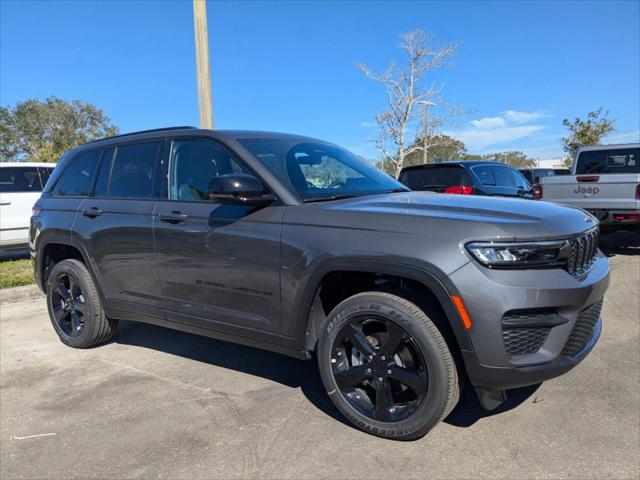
column 520, row 181
column 76, row 179
column 45, row 173
column 132, row 172
column 19, row 179
column 194, row 163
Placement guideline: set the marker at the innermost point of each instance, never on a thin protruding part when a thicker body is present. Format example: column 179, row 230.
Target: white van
column 20, row 187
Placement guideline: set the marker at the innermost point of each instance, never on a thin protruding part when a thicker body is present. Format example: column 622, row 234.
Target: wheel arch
column 310, row 307
column 70, row 248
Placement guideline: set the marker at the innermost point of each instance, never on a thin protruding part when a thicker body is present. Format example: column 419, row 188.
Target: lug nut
column 380, row 379
column 383, row 358
column 368, row 370
column 370, row 357
column 388, row 372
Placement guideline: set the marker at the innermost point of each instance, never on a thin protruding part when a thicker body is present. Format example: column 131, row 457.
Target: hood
column 522, row 219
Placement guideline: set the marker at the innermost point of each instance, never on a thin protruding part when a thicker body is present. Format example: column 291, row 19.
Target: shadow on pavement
column 469, row 411
column 272, row 366
column 620, row 243
column 284, row 370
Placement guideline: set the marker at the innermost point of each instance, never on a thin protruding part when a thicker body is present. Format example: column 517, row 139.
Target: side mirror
column 238, row 189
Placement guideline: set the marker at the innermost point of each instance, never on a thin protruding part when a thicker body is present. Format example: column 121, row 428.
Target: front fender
column 298, row 309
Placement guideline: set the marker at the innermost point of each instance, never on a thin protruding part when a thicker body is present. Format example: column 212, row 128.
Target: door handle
column 173, row 217
column 5, row 203
column 92, row 212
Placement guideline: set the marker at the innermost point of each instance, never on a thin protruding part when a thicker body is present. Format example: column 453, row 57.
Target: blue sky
column 290, row 66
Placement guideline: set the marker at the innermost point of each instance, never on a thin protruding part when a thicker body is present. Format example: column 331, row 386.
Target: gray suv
column 294, row 245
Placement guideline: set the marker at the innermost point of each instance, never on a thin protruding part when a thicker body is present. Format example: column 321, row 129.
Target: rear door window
column 503, row 176
column 485, row 175
column 132, row 171
column 435, row 179
column 102, row 181
column 77, row 178
column 19, row 179
column 615, row 160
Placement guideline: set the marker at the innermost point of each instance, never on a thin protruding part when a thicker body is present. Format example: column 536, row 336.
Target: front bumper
column 552, row 304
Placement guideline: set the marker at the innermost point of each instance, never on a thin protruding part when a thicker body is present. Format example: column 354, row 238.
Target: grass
column 15, row 273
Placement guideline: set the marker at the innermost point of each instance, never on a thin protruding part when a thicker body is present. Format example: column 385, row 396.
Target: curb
column 20, row 294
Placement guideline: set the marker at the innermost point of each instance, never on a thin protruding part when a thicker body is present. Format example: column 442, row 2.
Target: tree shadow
column 619, row 243
column 278, row 368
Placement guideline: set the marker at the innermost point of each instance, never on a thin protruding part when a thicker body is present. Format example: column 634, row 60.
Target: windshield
column 320, row 171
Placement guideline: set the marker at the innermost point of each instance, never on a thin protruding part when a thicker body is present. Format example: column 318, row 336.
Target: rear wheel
column 386, row 366
column 75, row 308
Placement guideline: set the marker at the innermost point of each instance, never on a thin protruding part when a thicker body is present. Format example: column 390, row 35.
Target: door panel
column 120, row 236
column 221, row 264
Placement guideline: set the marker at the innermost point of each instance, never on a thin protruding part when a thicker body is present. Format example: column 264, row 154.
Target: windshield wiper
column 331, row 197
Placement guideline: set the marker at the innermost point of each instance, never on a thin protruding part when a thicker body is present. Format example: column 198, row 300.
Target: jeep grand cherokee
column 294, row 245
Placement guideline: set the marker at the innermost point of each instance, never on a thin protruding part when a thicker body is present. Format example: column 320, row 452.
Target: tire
column 369, row 312
column 79, row 322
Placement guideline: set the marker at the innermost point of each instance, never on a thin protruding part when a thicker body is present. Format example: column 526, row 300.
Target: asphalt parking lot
column 156, row 403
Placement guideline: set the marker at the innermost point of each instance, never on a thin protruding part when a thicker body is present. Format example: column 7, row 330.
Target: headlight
column 514, row 255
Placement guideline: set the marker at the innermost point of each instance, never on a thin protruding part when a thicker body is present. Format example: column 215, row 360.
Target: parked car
column 467, row 178
column 20, row 187
column 533, row 176
column 605, row 181
column 295, row 245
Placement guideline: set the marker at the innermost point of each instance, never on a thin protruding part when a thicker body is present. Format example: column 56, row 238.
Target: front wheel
column 386, row 366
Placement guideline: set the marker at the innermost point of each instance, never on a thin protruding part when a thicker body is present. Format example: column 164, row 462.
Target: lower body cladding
column 528, row 326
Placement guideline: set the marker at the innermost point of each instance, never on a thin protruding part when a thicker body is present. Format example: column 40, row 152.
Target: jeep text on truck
column 604, row 180
column 294, row 245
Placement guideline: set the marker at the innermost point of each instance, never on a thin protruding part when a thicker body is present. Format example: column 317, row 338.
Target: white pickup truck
column 605, row 181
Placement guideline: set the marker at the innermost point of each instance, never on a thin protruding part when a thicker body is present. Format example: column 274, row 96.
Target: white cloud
column 478, row 139
column 524, row 117
column 629, row 137
column 367, row 124
column 489, row 131
column 488, row 123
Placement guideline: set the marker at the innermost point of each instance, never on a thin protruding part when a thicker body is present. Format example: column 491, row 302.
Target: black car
column 295, row 245
column 533, row 175
column 467, row 178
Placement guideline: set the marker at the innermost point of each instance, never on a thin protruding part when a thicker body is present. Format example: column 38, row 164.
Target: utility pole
column 203, row 72
column 425, row 122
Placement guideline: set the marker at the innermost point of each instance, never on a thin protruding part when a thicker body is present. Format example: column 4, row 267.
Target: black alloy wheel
column 68, row 303
column 379, row 368
column 75, row 307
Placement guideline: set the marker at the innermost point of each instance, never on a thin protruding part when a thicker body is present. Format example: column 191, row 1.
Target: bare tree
column 406, row 90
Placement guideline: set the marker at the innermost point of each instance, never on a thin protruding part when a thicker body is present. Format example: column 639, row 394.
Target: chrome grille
column 582, row 252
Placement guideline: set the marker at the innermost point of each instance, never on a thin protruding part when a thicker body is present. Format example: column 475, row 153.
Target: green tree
column 589, row 132
column 441, row 147
column 42, row 131
column 514, row 158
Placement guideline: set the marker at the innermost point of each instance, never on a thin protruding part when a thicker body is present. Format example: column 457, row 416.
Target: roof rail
column 182, row 127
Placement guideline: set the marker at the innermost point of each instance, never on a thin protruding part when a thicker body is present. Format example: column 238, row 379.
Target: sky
column 291, row 66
